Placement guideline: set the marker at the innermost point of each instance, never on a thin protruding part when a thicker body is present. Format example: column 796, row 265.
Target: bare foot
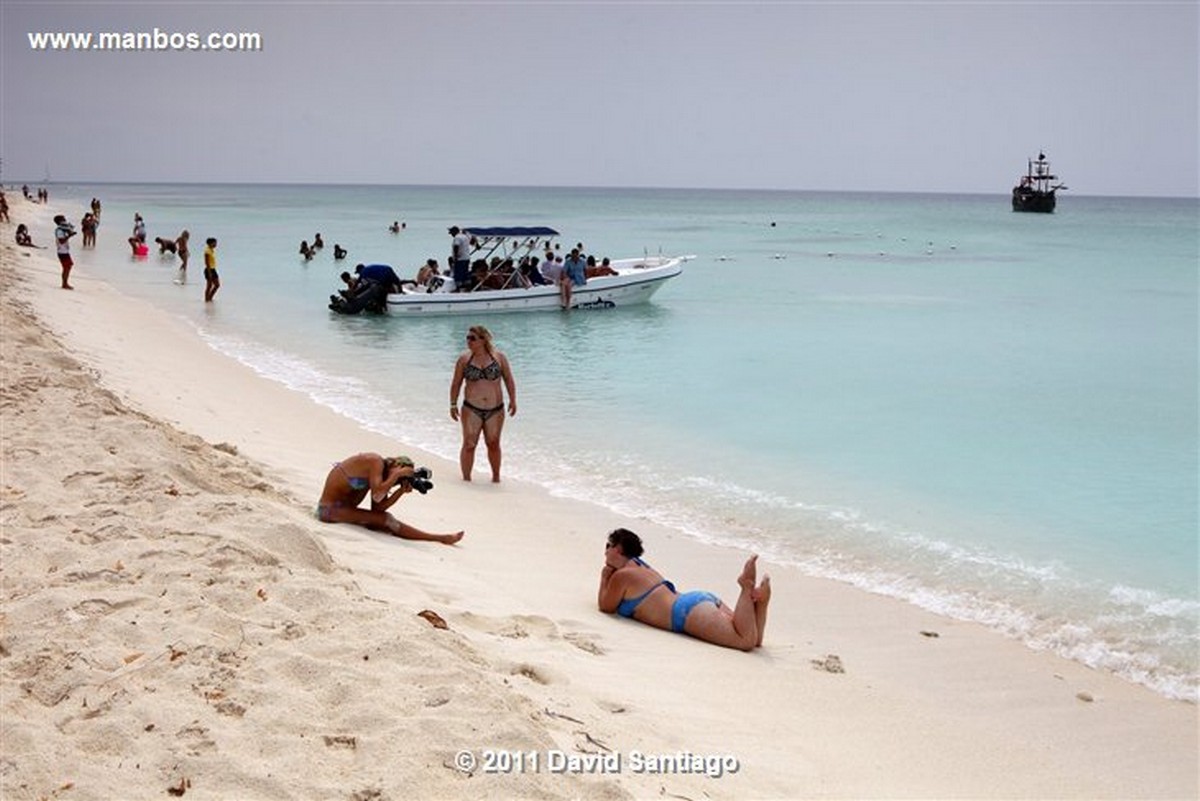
column 762, row 593
column 746, row 580
column 450, row 539
column 67, row 286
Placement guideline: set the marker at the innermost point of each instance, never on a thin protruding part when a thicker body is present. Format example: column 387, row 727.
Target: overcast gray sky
column 892, row 96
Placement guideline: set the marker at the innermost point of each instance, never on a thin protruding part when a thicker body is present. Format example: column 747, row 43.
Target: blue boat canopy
column 518, row 231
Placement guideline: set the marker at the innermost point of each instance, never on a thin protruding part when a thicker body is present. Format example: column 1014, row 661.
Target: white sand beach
column 176, row 621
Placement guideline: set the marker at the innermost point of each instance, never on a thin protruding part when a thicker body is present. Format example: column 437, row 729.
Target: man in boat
column 460, row 255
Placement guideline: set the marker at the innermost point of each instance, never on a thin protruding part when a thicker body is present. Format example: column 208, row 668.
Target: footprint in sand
column 584, row 643
column 832, row 663
column 613, row 707
column 531, row 672
column 519, row 627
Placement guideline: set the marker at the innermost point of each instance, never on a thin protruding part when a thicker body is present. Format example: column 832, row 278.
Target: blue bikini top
column 627, row 606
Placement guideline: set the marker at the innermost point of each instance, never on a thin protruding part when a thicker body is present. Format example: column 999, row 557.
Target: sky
column 858, row 96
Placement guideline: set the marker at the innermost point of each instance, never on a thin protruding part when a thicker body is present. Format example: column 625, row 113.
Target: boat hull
column 1039, row 202
column 637, row 280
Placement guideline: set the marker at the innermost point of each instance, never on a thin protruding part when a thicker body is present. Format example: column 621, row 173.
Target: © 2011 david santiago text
column 507, row 761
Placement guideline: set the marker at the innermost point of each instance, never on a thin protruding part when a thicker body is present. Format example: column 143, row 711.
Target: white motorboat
column 502, row 289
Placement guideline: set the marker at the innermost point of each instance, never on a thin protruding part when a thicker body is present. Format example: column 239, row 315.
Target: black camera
column 421, row 480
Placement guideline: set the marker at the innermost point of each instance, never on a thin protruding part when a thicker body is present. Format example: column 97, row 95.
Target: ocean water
column 989, row 415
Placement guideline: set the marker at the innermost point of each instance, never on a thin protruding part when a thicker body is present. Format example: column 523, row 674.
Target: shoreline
column 966, row 713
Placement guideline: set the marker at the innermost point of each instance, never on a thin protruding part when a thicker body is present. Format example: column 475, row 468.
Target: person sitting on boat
column 510, row 276
column 485, row 277
column 633, row 589
column 428, row 271
column 530, row 272
column 552, row 270
column 574, row 274
column 596, row 271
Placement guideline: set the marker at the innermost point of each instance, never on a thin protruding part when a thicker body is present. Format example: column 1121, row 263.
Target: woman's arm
column 380, row 483
column 612, row 587
column 456, row 385
column 402, row 487
column 510, row 384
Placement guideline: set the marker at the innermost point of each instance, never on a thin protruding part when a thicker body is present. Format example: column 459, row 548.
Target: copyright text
column 506, row 761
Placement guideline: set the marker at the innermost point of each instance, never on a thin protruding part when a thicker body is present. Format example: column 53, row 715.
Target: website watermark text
column 152, row 40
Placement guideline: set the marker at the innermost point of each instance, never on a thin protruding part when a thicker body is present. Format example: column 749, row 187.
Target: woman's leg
column 491, row 435
column 720, row 626
column 745, row 619
column 762, row 597
column 471, row 426
column 385, row 521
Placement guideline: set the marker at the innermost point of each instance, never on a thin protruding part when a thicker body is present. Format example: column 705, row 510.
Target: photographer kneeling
column 385, row 480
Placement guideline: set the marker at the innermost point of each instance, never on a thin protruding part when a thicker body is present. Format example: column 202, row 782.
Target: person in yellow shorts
column 212, row 281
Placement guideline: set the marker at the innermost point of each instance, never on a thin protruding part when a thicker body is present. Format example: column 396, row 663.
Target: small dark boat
column 1035, row 192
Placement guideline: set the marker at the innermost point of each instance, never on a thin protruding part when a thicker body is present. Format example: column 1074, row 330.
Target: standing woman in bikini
column 478, row 374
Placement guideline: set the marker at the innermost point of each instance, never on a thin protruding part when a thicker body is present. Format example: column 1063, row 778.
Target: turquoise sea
column 989, row 415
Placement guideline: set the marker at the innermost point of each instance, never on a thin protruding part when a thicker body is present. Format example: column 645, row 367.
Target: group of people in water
column 180, row 246
column 308, row 252
column 629, row 587
column 167, row 246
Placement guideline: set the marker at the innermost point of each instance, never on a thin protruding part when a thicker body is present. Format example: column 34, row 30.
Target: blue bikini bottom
column 684, row 603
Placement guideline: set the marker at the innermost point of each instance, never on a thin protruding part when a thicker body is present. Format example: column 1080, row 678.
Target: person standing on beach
column 62, row 235
column 181, row 247
column 352, row 479
column 212, row 281
column 478, row 373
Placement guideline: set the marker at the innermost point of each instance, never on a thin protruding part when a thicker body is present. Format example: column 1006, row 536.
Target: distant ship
column 1035, row 192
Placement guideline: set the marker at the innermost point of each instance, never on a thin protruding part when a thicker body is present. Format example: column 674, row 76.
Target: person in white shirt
column 460, row 255
column 62, row 236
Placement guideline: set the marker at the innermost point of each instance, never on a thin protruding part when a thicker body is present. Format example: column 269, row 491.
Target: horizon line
column 59, row 182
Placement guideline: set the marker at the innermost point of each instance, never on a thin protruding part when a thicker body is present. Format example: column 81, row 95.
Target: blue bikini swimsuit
column 684, row 603
column 357, row 483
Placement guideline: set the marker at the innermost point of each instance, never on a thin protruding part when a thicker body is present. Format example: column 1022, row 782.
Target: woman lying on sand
column 631, row 588
column 353, row 478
